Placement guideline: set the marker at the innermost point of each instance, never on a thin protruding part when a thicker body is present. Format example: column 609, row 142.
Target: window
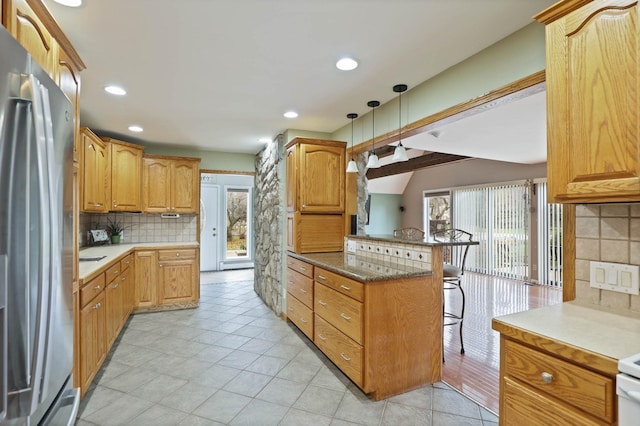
column 238, row 226
column 438, row 212
column 520, row 234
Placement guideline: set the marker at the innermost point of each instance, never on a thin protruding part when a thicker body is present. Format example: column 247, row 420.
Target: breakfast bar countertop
column 113, row 251
column 360, row 268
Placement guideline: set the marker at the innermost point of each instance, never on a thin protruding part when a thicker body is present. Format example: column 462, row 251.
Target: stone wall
column 268, row 224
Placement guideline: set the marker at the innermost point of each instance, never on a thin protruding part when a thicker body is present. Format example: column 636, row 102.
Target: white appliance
column 628, row 390
column 36, row 244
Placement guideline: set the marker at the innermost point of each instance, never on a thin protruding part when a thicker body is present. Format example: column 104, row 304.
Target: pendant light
column 400, row 154
column 373, row 162
column 352, row 167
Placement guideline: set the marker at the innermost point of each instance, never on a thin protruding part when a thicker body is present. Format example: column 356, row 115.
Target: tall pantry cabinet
column 315, row 188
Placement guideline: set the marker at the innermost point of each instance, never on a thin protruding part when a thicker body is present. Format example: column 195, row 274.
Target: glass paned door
column 238, row 225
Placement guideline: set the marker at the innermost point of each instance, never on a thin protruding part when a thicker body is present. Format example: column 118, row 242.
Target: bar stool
column 454, row 256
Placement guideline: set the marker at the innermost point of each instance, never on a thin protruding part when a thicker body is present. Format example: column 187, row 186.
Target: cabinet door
column 113, row 302
column 592, row 103
column 185, row 186
column 27, row 28
column 92, row 339
column 292, row 179
column 322, row 170
column 146, row 266
column 156, row 189
column 177, row 281
column 69, row 81
column 128, row 293
column 95, row 171
column 126, row 178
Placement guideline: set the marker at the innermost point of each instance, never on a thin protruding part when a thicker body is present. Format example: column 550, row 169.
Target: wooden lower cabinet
column 386, row 335
column 146, row 278
column 93, row 339
column 541, row 388
column 167, row 279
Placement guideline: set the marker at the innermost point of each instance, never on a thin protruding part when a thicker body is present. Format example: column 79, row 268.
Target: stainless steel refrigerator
column 36, row 253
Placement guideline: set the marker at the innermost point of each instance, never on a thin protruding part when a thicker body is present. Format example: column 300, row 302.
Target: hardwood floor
column 476, row 373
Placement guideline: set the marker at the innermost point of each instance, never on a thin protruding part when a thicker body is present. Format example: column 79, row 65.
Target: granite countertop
column 595, row 329
column 422, row 242
column 113, row 251
column 359, row 268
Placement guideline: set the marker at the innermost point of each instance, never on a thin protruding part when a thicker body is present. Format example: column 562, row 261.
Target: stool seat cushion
column 449, row 270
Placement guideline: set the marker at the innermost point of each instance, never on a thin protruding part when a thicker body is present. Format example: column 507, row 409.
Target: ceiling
column 218, row 74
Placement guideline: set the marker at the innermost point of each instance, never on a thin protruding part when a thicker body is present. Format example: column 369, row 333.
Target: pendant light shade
column 373, row 162
column 400, row 154
column 352, row 167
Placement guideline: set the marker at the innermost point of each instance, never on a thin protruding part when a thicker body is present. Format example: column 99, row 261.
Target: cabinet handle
column 345, row 287
column 116, row 272
column 303, row 268
column 124, row 278
column 347, row 317
column 321, row 337
column 115, row 286
column 98, row 204
column 322, row 277
column 302, row 290
column 322, row 303
column 302, row 320
column 547, row 377
column 346, row 358
column 98, row 287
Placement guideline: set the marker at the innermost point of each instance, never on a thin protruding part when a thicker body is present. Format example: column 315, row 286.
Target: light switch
column 615, row 277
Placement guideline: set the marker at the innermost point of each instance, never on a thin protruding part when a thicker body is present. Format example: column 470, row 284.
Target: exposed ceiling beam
column 427, row 160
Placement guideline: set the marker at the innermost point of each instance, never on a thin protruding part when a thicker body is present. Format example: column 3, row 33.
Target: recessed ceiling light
column 290, row 114
column 115, row 90
column 135, row 128
column 347, row 64
column 70, row 3
column 264, row 140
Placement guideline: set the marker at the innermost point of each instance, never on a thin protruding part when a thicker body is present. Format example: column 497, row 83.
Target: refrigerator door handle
column 43, row 301
column 3, row 337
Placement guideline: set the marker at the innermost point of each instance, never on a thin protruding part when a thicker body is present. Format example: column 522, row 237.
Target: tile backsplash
column 606, row 233
column 394, row 253
column 143, row 228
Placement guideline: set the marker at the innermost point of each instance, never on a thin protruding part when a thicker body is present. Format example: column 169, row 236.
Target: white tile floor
column 232, row 361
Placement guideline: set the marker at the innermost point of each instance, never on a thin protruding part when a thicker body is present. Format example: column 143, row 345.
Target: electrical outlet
column 615, row 277
column 351, row 246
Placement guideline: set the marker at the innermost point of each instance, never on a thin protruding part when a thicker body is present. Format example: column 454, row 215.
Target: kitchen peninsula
column 375, row 310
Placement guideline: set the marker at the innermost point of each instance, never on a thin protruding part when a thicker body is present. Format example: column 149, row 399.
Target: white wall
column 460, row 173
column 385, row 215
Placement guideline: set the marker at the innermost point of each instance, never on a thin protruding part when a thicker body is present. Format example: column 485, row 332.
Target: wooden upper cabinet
column 95, row 172
column 185, row 186
column 316, row 176
column 68, row 79
column 593, row 115
column 126, row 176
column 170, row 184
column 23, row 23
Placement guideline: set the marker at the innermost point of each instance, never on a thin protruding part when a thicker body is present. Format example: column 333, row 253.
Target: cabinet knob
column 546, row 377
column 97, row 287
column 304, row 206
column 115, row 286
column 177, row 254
column 161, row 266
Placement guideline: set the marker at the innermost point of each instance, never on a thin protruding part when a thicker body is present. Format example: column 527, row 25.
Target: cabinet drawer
column 342, row 284
column 112, row 272
column 339, row 310
column 344, row 352
column 176, row 254
column 91, row 290
column 300, row 315
column 584, row 389
column 298, row 265
column 126, row 262
column 300, row 286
